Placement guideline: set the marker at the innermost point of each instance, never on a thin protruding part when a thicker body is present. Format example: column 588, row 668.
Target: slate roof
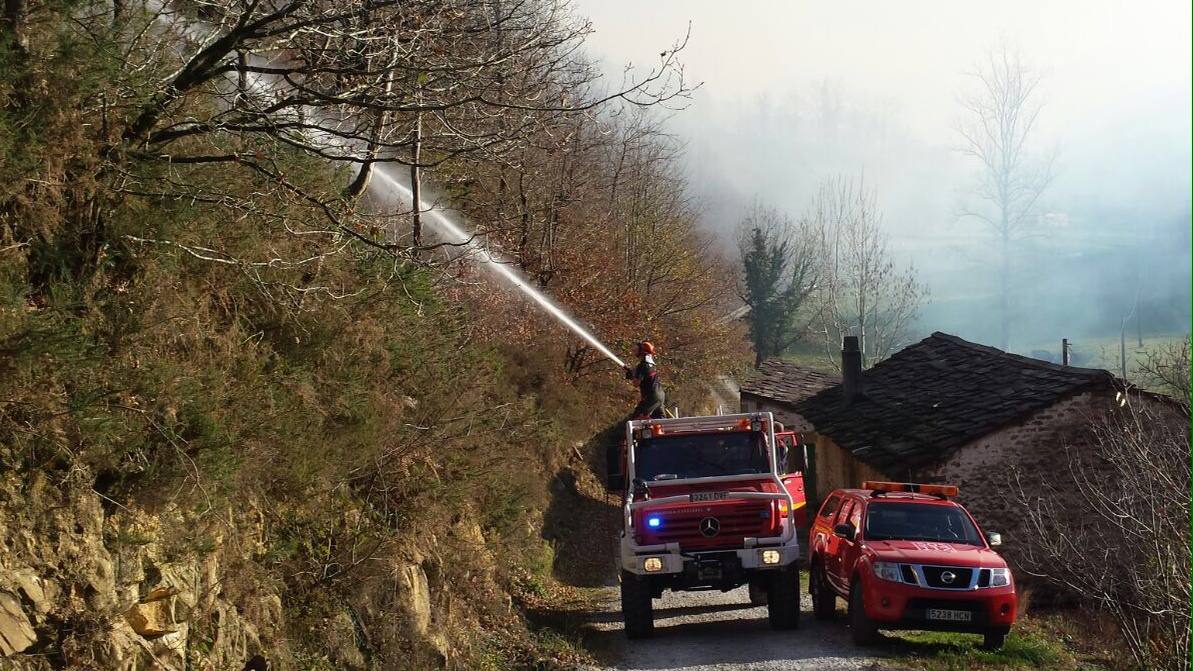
column 937, row 395
column 786, row 382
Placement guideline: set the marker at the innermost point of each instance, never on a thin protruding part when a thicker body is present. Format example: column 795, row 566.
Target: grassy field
column 1050, row 641
column 1104, row 352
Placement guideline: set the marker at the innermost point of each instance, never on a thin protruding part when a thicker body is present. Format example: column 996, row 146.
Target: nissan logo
column 948, row 577
column 709, row 527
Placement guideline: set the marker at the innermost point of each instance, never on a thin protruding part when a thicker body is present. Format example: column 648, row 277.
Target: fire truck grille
column 733, row 523
column 948, row 577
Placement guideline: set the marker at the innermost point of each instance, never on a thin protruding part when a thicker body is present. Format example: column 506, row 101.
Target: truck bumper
column 898, row 606
column 671, row 561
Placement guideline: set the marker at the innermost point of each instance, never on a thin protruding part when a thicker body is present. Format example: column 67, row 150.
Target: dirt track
column 706, row 631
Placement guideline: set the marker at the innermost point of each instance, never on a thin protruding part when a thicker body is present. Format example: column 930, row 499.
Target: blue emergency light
column 654, row 521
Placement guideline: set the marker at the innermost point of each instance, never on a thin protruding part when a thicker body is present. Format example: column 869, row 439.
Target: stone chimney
column 851, row 369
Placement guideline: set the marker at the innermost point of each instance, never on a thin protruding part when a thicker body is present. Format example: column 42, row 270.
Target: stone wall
column 1035, row 448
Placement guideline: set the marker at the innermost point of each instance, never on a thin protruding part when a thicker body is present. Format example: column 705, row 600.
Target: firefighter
column 646, row 374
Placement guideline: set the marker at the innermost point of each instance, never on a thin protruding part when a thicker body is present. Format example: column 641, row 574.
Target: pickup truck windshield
column 700, row 456
column 887, row 521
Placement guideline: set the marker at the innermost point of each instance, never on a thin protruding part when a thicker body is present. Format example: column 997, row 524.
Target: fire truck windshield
column 707, row 455
column 917, row 522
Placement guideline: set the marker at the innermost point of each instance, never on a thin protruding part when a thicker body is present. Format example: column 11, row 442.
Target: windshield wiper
column 665, row 476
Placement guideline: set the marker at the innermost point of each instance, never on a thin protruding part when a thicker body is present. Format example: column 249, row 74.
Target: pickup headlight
column 1000, row 577
column 887, row 571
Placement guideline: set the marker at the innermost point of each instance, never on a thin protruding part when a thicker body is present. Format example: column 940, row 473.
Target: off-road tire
column 758, row 593
column 994, row 640
column 824, row 601
column 637, row 609
column 782, row 598
column 864, row 630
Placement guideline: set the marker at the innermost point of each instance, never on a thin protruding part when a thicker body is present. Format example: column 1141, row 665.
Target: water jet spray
column 457, row 235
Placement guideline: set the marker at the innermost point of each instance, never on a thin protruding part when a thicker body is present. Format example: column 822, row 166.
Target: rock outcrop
column 127, row 590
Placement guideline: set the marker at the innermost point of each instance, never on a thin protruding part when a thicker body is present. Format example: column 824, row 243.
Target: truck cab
column 709, row 503
column 906, row 556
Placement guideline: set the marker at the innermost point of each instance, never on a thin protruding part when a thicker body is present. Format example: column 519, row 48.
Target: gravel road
column 707, row 631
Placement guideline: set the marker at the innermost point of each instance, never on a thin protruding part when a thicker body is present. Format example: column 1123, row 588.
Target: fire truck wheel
column 994, row 640
column 864, row 631
column 636, row 607
column 758, row 593
column 782, row 600
column 824, row 602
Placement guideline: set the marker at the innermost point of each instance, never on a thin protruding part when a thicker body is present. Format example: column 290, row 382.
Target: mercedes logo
column 709, row 526
column 948, row 577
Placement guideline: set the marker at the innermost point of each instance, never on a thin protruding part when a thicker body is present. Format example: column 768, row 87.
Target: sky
column 1115, row 84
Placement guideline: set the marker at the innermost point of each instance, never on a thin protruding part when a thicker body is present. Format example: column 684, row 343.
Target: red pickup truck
column 904, row 556
column 708, row 503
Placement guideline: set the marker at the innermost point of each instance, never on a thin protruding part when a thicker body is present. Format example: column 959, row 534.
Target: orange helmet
column 645, row 347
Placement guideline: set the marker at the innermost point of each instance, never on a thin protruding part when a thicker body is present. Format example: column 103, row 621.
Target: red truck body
column 906, row 560
column 709, row 503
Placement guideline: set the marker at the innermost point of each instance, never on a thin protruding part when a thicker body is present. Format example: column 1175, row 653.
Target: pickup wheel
column 864, row 631
column 994, row 639
column 637, row 610
column 782, row 599
column 824, row 602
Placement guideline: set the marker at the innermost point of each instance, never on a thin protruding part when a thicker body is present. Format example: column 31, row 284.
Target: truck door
column 832, row 554
column 822, row 527
column 848, row 550
column 792, row 469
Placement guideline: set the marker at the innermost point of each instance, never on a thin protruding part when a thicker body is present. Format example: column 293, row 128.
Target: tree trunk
column 1004, row 293
column 416, row 202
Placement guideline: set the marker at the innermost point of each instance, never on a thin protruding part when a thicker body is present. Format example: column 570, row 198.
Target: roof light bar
column 910, row 488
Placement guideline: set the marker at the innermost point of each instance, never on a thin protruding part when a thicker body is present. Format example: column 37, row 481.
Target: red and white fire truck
column 905, row 556
column 709, row 503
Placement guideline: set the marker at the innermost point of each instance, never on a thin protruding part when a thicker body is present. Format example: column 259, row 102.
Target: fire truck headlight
column 1000, row 577
column 771, row 557
column 652, row 564
column 887, row 570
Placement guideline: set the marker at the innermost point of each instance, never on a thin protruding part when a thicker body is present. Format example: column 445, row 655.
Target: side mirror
column 640, row 488
column 798, row 460
column 844, row 530
column 614, row 475
column 993, row 538
column 615, row 482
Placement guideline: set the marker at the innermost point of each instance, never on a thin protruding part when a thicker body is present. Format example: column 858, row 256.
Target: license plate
column 950, row 615
column 708, row 496
column 709, row 572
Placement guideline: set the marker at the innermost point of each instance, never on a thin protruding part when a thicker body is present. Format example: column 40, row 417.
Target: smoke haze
column 794, row 93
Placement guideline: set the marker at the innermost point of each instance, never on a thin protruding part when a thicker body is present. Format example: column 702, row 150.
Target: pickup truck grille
column 958, row 577
column 928, row 575
column 734, row 522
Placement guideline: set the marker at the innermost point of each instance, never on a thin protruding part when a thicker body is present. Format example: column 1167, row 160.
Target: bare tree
column 1114, row 528
column 863, row 292
column 1166, row 368
column 1003, row 107
column 780, row 264
column 222, row 87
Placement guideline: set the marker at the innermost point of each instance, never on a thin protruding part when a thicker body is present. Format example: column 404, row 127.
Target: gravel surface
column 706, row 631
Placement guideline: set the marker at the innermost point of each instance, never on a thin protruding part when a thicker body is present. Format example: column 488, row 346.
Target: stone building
column 941, row 410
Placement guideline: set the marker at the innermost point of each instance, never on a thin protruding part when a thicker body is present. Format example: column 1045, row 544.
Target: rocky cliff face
column 86, row 583
column 85, row 586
